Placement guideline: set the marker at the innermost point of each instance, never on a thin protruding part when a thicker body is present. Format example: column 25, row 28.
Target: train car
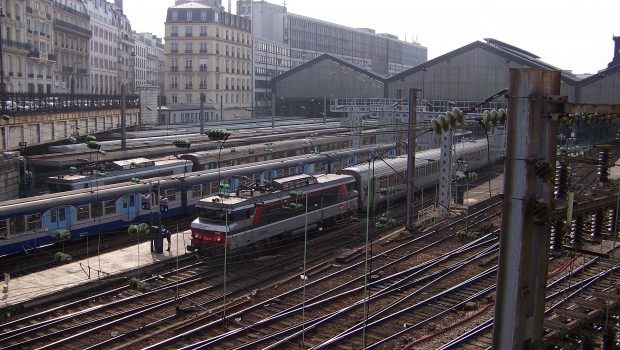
column 238, row 154
column 98, row 174
column 392, row 173
column 29, row 223
column 255, row 214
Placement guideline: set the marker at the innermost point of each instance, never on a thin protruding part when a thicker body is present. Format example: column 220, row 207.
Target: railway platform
column 481, row 192
column 28, row 291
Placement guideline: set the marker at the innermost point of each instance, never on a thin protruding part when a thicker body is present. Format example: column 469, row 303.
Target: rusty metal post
column 524, row 241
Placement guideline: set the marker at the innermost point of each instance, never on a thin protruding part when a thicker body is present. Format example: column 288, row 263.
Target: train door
column 352, row 160
column 392, row 153
column 59, row 219
column 269, row 175
column 4, row 229
column 129, row 206
column 301, row 169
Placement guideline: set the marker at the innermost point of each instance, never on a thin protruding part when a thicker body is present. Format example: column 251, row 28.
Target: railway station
column 327, row 187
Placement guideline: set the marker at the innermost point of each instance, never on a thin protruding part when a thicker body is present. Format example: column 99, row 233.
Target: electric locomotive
column 256, row 214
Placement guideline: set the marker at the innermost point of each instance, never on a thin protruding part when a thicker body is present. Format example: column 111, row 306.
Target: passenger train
column 31, row 222
column 257, row 213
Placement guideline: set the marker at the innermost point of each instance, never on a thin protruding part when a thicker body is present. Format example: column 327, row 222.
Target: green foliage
column 73, row 139
column 296, row 194
column 58, row 256
column 90, row 138
column 385, row 222
column 134, row 180
column 465, row 235
column 134, row 282
column 144, row 287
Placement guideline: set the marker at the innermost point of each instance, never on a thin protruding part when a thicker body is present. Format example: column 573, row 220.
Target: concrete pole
column 123, row 122
column 411, row 146
column 202, row 111
column 524, row 244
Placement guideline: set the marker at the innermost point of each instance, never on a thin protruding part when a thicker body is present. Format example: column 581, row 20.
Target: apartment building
column 208, row 51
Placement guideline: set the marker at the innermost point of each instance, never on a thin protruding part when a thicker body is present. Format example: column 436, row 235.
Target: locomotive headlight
column 218, row 238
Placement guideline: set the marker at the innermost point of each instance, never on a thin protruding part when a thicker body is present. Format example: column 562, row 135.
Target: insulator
column 557, row 235
column 577, row 230
column 599, row 224
column 609, row 338
column 562, row 180
column 613, row 222
column 587, row 343
column 543, row 171
column 603, row 165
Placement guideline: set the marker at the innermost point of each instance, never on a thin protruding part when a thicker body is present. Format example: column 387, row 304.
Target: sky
column 569, row 34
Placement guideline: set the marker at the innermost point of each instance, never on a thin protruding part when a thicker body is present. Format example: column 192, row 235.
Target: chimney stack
column 616, row 59
column 119, row 4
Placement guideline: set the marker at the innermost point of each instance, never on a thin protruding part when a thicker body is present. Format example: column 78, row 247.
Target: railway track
column 133, row 319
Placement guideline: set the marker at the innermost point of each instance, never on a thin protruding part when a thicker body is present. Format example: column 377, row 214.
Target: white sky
column 569, row 34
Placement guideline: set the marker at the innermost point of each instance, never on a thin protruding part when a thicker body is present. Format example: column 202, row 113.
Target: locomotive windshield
column 218, row 216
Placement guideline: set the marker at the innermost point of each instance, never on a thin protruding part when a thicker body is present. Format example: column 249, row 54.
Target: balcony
column 174, row 51
column 72, row 27
column 174, row 35
column 189, row 68
column 174, row 86
column 30, row 75
column 203, row 51
column 203, row 68
column 203, row 86
column 189, row 35
column 51, row 57
column 67, row 69
column 174, row 69
column 203, row 34
column 189, row 51
column 33, row 54
column 71, row 11
column 17, row 44
column 188, row 86
column 28, row 9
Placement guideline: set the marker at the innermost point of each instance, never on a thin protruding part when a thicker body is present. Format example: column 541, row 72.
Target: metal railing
column 15, row 104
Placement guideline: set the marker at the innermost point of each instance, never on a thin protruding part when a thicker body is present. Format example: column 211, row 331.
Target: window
column 203, row 47
column 174, row 48
column 188, row 48
column 96, row 209
column 170, row 195
column 189, row 15
column 34, row 221
column 188, row 31
column 174, row 15
column 110, row 207
column 175, row 99
column 203, row 16
column 83, row 212
column 203, row 31
column 196, row 191
column 188, row 65
column 188, row 98
column 174, row 31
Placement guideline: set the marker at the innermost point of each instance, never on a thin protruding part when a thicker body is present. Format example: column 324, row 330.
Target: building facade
column 149, row 64
column 208, row 53
column 71, row 37
column 283, row 40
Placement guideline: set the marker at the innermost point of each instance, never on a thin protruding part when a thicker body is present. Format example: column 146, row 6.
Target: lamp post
column 2, row 89
column 74, row 78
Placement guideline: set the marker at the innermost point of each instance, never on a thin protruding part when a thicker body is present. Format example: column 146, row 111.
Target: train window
column 110, row 207
column 34, row 221
column 392, row 180
column 132, row 201
column 124, row 202
column 383, row 182
column 18, row 224
column 62, row 214
column 4, row 233
column 96, row 209
column 196, row 191
column 53, row 215
column 171, row 195
column 83, row 212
